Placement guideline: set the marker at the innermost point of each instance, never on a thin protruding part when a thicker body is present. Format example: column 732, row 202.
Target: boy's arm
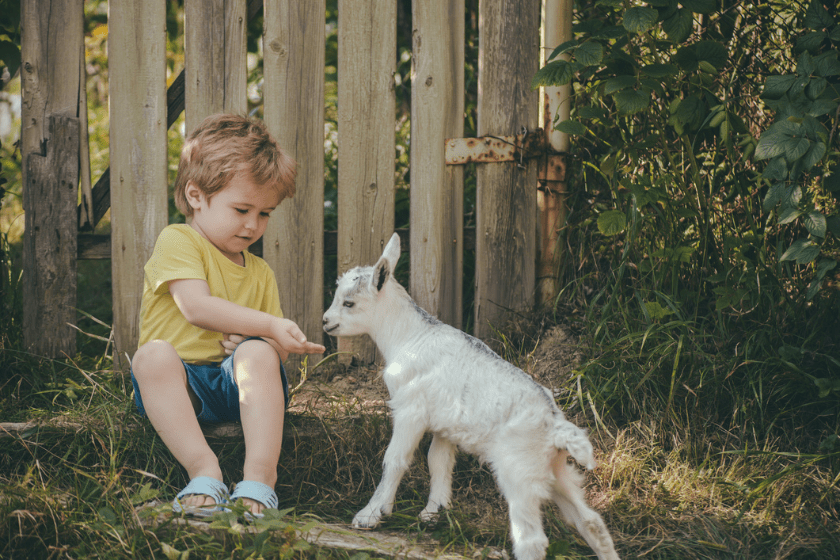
column 200, row 308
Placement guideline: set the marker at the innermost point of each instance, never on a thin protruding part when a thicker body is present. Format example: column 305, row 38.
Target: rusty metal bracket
column 495, row 149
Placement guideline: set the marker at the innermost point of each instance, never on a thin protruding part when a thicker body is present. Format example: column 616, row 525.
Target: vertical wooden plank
column 551, row 196
column 367, row 52
column 293, row 244
column 506, row 204
column 50, row 241
column 51, row 47
column 137, row 67
column 214, row 58
column 437, row 113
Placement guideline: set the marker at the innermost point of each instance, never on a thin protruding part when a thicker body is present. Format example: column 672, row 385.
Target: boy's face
column 235, row 217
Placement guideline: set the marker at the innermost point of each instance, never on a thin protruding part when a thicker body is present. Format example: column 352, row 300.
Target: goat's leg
column 441, row 463
column 404, row 441
column 569, row 497
column 525, row 510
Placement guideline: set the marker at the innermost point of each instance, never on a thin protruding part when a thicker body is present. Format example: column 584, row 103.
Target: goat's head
column 359, row 291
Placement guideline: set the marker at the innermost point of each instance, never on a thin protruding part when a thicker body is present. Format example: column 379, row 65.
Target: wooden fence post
column 49, row 283
column 293, row 243
column 505, row 236
column 215, row 45
column 437, row 190
column 367, row 53
column 139, row 208
column 51, row 47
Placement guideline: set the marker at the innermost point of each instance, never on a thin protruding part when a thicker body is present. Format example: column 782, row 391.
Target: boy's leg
column 169, row 404
column 256, row 367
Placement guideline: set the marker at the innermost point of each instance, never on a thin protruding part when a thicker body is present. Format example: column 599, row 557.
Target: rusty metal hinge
column 518, row 148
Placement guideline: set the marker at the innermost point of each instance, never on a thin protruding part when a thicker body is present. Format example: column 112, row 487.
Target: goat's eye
column 349, row 304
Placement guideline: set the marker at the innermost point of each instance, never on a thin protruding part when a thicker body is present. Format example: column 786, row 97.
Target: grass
column 675, row 483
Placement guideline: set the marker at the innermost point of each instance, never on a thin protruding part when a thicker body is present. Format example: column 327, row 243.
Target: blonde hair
column 224, row 145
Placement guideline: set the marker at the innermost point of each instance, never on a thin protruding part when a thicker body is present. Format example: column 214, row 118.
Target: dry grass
column 669, row 486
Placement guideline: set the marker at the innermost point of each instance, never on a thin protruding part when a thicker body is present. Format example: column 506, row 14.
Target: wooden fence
column 511, row 242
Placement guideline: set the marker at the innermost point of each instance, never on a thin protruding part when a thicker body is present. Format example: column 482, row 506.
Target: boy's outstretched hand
column 290, row 338
column 287, row 338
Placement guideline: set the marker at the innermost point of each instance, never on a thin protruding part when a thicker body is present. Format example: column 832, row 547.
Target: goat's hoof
column 428, row 516
column 366, row 519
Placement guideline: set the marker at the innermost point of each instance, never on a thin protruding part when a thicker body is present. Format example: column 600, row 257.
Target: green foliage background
column 705, row 214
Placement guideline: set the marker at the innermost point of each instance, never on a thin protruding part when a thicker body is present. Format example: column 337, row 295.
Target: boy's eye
column 241, row 210
column 265, row 214
column 348, row 304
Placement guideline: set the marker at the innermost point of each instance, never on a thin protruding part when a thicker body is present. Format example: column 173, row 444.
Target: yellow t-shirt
column 182, row 253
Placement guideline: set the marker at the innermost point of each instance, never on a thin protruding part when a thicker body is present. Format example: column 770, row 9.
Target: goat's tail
column 574, row 440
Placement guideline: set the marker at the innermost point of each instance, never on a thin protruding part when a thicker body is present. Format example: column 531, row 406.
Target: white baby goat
column 446, row 382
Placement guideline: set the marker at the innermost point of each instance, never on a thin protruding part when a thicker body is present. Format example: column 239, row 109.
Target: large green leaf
column 639, row 20
column 774, row 195
column 776, row 86
column 563, row 48
column 590, row 53
column 555, row 73
column 776, row 170
column 811, row 41
column 815, row 223
column 802, row 251
column 612, row 222
column 618, row 83
column 814, row 155
column 631, row 101
column 678, row 26
column 689, row 112
column 796, row 147
column 712, row 52
column 816, row 16
column 571, row 127
column 773, row 141
column 826, row 64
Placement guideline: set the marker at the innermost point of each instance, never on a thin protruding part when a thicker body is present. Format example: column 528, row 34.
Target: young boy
column 212, row 336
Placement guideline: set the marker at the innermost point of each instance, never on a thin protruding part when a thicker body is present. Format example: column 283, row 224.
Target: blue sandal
column 256, row 491
column 206, row 486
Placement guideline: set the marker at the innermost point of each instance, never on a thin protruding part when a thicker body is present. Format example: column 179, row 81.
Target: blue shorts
column 215, row 386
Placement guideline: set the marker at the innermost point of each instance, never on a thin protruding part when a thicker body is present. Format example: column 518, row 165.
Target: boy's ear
column 193, row 194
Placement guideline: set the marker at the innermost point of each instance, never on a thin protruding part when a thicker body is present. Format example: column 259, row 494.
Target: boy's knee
column 156, row 357
column 257, row 349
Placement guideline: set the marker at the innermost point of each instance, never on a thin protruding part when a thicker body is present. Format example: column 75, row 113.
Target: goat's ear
column 391, row 253
column 381, row 272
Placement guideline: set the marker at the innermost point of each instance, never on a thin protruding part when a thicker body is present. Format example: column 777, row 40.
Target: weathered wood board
column 139, row 207
column 293, row 244
column 437, row 190
column 215, row 45
column 506, row 203
column 49, row 242
column 367, row 52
